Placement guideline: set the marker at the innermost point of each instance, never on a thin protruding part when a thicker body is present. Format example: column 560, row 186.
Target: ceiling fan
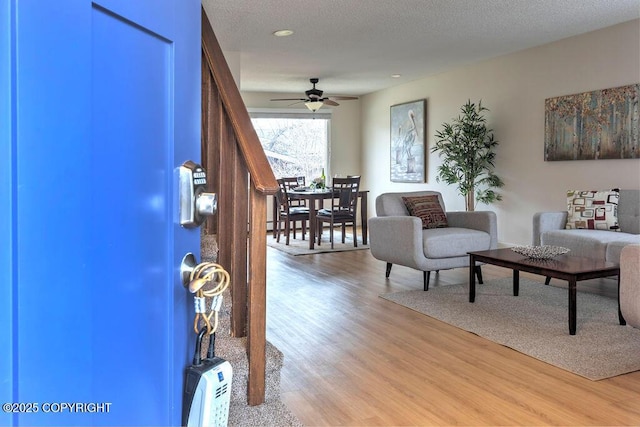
column 314, row 99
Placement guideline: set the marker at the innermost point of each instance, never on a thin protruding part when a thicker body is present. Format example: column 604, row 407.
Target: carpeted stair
column 272, row 412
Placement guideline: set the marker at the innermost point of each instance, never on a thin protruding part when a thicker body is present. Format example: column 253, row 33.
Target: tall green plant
column 466, row 147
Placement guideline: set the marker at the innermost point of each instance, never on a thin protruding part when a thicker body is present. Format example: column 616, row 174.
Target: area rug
column 535, row 323
column 301, row 247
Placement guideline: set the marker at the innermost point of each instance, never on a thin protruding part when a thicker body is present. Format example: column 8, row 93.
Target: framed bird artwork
column 408, row 126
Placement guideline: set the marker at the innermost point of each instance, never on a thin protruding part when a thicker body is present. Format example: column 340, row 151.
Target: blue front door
column 99, row 104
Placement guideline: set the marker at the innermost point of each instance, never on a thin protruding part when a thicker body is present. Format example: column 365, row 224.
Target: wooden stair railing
column 240, row 174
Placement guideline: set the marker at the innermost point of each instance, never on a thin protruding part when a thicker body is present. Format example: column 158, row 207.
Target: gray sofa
column 549, row 229
column 398, row 238
column 630, row 284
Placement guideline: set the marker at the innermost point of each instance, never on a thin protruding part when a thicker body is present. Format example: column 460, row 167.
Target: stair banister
column 242, row 177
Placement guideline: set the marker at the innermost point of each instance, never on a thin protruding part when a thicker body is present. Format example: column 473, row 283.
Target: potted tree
column 466, row 147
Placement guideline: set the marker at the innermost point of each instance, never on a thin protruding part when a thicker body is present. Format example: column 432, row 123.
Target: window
column 296, row 144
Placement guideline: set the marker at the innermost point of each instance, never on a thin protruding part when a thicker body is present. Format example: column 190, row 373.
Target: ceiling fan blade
column 330, row 102
column 344, row 98
column 288, row 99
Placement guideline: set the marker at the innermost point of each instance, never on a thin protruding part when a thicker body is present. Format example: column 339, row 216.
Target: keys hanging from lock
column 200, row 276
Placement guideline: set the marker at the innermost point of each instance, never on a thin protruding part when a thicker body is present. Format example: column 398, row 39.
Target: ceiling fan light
column 314, row 105
column 282, row 33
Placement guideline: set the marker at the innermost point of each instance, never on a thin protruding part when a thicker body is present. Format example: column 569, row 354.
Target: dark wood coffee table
column 570, row 268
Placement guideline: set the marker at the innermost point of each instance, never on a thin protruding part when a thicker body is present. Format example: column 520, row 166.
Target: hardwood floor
column 352, row 358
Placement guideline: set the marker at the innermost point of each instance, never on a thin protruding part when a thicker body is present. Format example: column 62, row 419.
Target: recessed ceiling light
column 395, row 76
column 282, row 33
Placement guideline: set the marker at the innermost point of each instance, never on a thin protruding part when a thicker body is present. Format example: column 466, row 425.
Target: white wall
column 514, row 88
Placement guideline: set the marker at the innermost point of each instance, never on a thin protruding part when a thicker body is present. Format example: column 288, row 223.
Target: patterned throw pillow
column 428, row 209
column 595, row 210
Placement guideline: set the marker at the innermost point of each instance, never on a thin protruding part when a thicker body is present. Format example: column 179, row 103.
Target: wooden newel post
column 257, row 299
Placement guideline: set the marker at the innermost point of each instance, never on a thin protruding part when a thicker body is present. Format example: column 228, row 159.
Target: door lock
column 195, row 203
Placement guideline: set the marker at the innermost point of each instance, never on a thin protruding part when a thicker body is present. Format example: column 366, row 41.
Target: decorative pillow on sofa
column 595, row 210
column 428, row 209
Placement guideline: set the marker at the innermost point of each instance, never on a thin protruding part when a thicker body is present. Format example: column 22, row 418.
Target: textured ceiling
column 354, row 46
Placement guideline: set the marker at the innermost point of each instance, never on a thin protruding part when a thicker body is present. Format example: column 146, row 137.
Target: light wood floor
column 352, row 358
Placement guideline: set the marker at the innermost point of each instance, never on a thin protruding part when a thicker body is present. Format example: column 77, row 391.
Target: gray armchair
column 398, row 238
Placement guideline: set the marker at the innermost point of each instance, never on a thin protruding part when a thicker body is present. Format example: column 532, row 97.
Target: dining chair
column 344, row 205
column 292, row 182
column 289, row 214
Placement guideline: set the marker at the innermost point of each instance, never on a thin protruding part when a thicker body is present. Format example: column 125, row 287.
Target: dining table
column 315, row 198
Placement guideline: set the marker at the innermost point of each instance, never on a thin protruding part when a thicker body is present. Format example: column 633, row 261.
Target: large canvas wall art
column 408, row 141
column 601, row 124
